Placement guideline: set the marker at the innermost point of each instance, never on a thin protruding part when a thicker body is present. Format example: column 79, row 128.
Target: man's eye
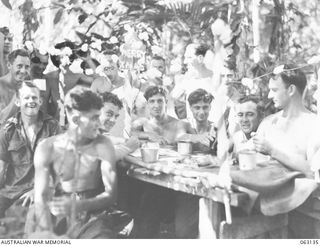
column 250, row 114
column 240, row 115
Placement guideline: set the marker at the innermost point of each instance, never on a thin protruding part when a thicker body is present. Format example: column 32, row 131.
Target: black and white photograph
column 159, row 119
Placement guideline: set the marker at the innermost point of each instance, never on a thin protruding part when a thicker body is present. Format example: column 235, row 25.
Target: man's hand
column 262, row 145
column 60, row 206
column 28, row 198
column 132, row 143
column 204, row 139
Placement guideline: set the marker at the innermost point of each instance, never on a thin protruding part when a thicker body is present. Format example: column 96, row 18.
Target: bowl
column 150, row 155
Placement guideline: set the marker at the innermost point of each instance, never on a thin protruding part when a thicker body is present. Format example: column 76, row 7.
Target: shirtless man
column 19, row 70
column 109, row 116
column 158, row 202
column 197, row 76
column 290, row 136
column 200, row 105
column 79, row 161
column 281, row 135
column 159, row 127
column 6, row 47
column 130, row 96
column 113, row 79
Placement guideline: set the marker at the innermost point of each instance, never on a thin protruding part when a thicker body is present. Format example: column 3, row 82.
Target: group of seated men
column 70, row 177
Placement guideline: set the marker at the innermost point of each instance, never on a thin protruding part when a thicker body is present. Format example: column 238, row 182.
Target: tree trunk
column 255, row 30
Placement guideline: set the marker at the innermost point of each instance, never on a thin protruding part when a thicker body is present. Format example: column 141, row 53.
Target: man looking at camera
column 18, row 140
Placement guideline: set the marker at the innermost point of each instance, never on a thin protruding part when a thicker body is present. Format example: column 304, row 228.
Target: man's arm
column 42, row 161
column 109, row 177
column 189, row 134
column 3, row 157
column 280, row 149
column 137, row 128
column 123, row 149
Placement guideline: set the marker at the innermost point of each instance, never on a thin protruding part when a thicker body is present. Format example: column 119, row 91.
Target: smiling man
column 158, row 202
column 110, row 113
column 249, row 114
column 19, row 70
column 18, row 140
column 159, row 126
column 200, row 105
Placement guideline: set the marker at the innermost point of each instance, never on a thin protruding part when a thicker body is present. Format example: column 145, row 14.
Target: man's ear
column 75, row 119
column 17, row 102
column 292, row 89
column 9, row 65
column 200, row 58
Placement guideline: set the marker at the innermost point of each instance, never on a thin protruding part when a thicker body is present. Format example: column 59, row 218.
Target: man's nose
column 270, row 96
column 113, row 119
column 245, row 117
column 31, row 99
column 23, row 69
column 201, row 111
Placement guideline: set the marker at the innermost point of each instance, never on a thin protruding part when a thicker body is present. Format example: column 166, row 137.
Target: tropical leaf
column 7, row 4
column 82, row 36
column 82, row 18
column 98, row 36
column 58, row 16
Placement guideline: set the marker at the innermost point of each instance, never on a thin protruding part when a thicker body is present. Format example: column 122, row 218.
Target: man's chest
column 294, row 135
column 6, row 95
column 169, row 130
column 70, row 164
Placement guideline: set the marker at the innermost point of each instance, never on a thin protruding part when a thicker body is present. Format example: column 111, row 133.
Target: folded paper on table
column 281, row 190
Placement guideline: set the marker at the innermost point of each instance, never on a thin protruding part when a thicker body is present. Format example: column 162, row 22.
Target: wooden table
column 211, row 202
